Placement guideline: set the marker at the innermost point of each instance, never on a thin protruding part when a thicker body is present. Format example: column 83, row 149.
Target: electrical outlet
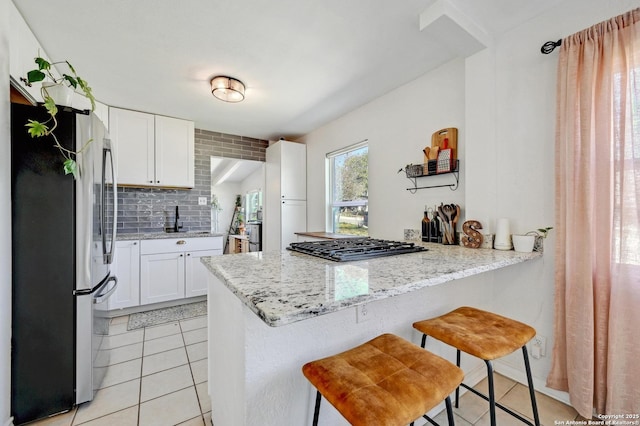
column 202, row 201
column 538, row 346
column 362, row 313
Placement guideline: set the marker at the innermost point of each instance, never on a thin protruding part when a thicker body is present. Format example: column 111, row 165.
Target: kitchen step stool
column 487, row 336
column 385, row 381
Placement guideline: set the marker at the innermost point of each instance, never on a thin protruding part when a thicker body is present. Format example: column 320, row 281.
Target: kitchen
column 502, row 101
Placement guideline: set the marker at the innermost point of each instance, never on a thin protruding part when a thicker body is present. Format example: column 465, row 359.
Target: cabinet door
column 23, row 48
column 174, row 152
column 133, row 133
column 126, row 267
column 294, row 219
column 196, row 273
column 161, row 277
column 293, row 174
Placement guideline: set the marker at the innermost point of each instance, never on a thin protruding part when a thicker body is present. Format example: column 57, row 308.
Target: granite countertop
column 285, row 287
column 163, row 235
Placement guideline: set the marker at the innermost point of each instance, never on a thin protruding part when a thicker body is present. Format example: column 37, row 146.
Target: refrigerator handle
column 104, row 295
column 108, row 251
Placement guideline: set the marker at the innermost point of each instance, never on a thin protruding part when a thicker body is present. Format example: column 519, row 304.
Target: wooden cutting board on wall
column 451, row 136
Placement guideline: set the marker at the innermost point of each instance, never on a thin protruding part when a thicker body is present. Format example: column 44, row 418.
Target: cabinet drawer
column 172, row 245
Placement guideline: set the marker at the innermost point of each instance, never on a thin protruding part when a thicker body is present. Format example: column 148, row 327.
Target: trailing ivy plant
column 46, row 128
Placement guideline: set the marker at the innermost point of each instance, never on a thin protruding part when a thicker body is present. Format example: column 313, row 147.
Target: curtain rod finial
column 549, row 46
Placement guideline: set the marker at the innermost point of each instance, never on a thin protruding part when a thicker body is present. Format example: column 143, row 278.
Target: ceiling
column 231, row 170
column 304, row 62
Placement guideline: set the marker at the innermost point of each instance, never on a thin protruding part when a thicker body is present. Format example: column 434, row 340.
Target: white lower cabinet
column 196, row 273
column 126, row 267
column 161, row 277
column 170, row 268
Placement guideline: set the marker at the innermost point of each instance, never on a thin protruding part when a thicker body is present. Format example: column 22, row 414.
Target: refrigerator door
column 96, row 212
column 43, row 266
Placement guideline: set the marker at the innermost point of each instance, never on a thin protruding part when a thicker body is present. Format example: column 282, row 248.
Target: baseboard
column 520, row 376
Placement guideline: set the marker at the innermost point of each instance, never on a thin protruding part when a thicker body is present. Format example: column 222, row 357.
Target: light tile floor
column 157, row 376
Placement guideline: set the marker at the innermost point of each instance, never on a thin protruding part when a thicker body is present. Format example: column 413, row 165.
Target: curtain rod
column 549, row 46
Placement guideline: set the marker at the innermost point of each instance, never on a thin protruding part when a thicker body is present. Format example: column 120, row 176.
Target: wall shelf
column 432, row 168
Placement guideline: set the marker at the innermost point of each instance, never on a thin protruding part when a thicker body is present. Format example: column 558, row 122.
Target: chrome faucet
column 176, row 228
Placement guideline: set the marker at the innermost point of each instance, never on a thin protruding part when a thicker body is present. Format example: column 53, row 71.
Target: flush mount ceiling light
column 227, row 89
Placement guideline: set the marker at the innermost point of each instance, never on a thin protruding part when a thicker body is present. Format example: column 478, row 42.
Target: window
column 349, row 190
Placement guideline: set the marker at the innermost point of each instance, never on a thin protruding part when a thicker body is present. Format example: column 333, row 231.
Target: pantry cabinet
column 126, row 267
column 286, row 194
column 170, row 269
column 153, row 150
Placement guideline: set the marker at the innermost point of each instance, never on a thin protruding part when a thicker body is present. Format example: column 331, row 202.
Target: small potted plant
column 540, row 234
column 531, row 241
column 51, row 86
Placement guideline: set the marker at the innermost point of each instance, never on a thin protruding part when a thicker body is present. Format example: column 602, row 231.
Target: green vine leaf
column 71, row 168
column 72, row 81
column 43, row 64
column 34, row 76
column 50, row 106
column 87, row 92
column 36, row 129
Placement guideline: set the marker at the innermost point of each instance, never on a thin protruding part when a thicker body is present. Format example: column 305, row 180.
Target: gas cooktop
column 344, row 250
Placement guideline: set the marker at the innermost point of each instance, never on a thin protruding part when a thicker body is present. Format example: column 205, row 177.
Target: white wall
column 5, row 219
column 510, row 124
column 255, row 181
column 398, row 126
column 226, row 193
column 502, row 100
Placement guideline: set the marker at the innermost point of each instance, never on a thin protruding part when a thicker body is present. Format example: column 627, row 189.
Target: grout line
column 141, row 367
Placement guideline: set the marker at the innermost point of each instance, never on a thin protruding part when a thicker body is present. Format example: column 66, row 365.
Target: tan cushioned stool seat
column 476, row 332
column 386, row 381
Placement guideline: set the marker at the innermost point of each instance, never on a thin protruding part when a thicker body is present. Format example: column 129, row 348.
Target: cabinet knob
column 181, row 242
column 150, row 181
column 135, row 243
column 188, row 254
column 181, row 255
column 157, row 181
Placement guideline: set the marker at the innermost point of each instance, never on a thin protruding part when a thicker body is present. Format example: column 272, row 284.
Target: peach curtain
column 596, row 356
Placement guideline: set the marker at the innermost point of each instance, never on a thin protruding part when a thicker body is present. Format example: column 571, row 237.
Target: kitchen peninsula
column 271, row 312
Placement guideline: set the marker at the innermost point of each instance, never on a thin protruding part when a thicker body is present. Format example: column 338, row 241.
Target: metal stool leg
column 458, row 388
column 492, row 395
column 316, row 411
column 449, row 412
column 532, row 392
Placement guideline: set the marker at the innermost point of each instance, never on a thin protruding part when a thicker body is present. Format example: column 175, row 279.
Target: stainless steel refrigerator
column 63, row 233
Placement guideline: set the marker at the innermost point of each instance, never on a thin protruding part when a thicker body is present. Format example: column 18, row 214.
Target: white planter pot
column 523, row 243
column 61, row 94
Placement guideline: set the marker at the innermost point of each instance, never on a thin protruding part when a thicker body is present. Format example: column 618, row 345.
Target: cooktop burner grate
column 343, row 250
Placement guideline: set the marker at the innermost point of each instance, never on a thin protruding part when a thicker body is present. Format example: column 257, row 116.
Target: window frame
column 330, row 226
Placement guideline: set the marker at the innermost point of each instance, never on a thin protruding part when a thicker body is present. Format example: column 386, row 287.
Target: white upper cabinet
column 290, row 161
column 175, row 151
column 152, row 150
column 24, row 47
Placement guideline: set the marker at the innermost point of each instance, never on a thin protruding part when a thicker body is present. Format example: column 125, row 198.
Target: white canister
column 503, row 235
column 487, row 241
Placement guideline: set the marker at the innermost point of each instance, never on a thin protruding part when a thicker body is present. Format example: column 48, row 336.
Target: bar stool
column 385, row 381
column 487, row 336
